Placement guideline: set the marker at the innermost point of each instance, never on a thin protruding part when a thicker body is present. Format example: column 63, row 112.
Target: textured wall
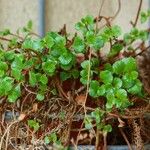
column 16, row 13
column 70, row 11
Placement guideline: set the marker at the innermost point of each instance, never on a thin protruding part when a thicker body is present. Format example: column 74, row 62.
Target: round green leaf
column 106, row 76
column 40, row 97
column 64, row 76
column 32, row 78
column 78, row 45
column 43, row 79
column 65, row 58
column 117, row 82
column 101, row 90
column 121, row 93
column 95, row 89
column 85, row 64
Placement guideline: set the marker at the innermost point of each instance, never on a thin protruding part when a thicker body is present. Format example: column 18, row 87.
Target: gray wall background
column 16, row 13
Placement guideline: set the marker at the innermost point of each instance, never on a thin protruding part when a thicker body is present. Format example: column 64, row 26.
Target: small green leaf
column 116, row 30
column 107, row 128
column 32, row 78
column 37, row 45
column 34, row 124
column 40, row 97
column 9, row 55
column 85, row 64
column 43, row 79
column 80, row 27
column 29, row 25
column 115, row 50
column 27, row 44
column 2, row 72
column 53, row 137
column 3, row 66
column 14, row 94
column 117, row 82
column 128, row 82
column 121, row 93
column 90, row 37
column 49, row 67
column 16, row 73
column 60, row 40
column 94, row 87
column 101, row 90
column 18, row 62
column 46, row 140
column 130, row 64
column 108, row 66
column 5, row 32
column 84, row 76
column 110, row 95
column 75, row 73
column 143, row 17
column 64, row 76
column 65, row 58
column 88, row 122
column 13, row 43
column 106, row 76
column 99, row 43
column 94, row 41
column 78, row 45
column 48, row 40
column 118, row 67
column 98, row 115
column 6, row 85
column 136, row 89
column 127, row 38
column 89, row 20
column 133, row 75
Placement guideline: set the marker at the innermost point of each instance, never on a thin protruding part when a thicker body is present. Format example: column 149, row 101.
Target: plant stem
column 5, row 39
column 138, row 13
column 105, row 141
column 88, row 80
column 97, row 139
column 125, row 138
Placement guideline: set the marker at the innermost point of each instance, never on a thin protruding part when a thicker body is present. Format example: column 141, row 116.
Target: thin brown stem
column 17, row 36
column 105, row 141
column 138, row 13
column 125, row 138
column 88, row 80
column 142, row 51
column 118, row 10
column 5, row 39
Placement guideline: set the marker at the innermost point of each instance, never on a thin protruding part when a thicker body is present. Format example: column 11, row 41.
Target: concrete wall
column 70, row 11
column 16, row 13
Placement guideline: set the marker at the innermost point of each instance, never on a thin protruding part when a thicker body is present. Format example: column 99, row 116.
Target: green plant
column 34, row 124
column 33, row 64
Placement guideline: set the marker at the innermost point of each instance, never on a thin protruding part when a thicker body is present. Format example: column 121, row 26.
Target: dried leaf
column 80, row 99
column 21, row 117
column 35, row 107
column 121, row 123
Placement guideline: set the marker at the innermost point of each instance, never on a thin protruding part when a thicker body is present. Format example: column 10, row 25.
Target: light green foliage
column 33, row 64
column 34, row 124
column 52, row 138
column 79, row 45
column 5, row 32
column 144, row 16
column 116, row 83
column 135, row 34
